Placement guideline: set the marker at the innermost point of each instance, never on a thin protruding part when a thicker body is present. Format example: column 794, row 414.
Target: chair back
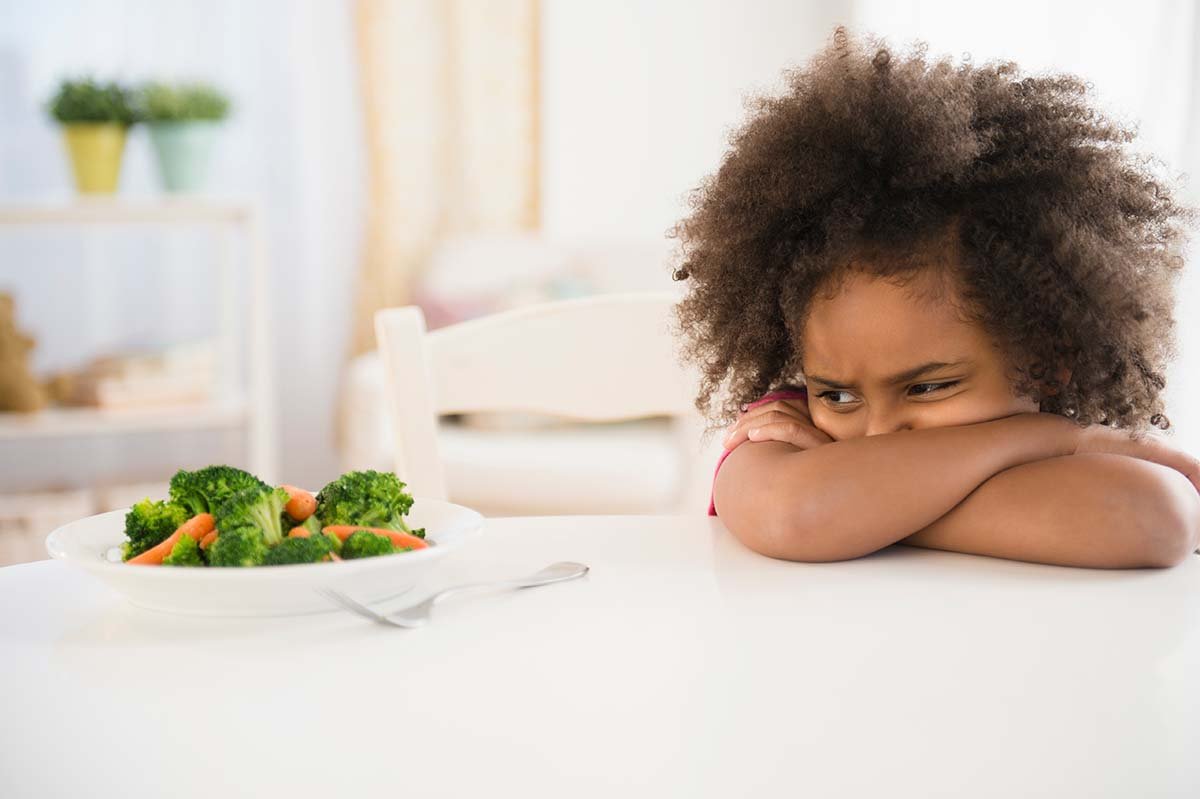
column 604, row 358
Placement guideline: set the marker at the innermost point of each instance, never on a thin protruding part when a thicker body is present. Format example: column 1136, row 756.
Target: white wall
column 638, row 98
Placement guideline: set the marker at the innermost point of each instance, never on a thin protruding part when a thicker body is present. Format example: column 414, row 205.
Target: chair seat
column 622, row 467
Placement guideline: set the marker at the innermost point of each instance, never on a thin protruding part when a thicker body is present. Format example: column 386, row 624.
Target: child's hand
column 781, row 420
column 1150, row 447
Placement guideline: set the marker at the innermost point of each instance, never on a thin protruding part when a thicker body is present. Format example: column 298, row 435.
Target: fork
column 419, row 614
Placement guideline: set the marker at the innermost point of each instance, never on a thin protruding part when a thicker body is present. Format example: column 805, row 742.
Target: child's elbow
column 793, row 533
column 1172, row 534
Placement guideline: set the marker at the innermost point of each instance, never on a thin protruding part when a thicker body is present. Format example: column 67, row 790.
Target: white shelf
column 254, row 412
column 165, row 209
column 99, row 421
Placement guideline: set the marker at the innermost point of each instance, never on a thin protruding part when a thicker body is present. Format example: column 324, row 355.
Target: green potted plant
column 95, row 118
column 183, row 119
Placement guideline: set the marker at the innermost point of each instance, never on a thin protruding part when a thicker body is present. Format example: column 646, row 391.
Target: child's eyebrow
column 902, row 377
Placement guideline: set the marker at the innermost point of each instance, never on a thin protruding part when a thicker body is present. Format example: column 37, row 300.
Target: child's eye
column 934, row 386
column 824, row 394
column 930, row 388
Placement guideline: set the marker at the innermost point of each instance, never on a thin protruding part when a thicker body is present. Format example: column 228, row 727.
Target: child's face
column 873, row 331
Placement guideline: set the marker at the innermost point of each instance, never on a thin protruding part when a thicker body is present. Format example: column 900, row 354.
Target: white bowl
column 263, row 590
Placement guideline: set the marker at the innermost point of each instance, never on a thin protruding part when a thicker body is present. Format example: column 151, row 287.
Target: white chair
column 603, row 358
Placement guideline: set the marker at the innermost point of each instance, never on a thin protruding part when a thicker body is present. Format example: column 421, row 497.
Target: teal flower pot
column 183, row 151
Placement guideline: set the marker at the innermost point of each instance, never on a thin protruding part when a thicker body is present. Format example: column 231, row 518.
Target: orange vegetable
column 197, row 527
column 206, row 542
column 344, row 531
column 299, row 531
column 300, row 504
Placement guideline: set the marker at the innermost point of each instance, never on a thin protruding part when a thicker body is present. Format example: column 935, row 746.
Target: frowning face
column 881, row 357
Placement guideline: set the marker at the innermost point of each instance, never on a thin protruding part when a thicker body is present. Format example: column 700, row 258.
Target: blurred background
column 466, row 156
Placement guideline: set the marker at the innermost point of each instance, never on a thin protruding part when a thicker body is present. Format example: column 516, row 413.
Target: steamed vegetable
column 365, row 544
column 398, row 539
column 308, row 549
column 196, row 527
column 224, row 517
column 237, row 546
column 186, row 552
column 149, row 523
column 205, row 490
column 366, row 499
column 300, row 504
column 258, row 507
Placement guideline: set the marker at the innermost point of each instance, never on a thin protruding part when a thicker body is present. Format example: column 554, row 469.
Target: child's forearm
column 1094, row 510
column 852, row 497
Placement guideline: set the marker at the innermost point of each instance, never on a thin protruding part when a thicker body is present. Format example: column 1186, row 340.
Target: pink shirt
column 783, row 393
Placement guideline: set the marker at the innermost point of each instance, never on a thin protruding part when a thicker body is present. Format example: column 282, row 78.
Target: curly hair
column 1061, row 244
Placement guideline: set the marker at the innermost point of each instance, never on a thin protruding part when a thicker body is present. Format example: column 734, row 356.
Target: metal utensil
column 420, row 613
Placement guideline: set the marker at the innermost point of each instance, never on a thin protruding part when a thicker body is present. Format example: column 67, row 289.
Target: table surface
column 682, row 665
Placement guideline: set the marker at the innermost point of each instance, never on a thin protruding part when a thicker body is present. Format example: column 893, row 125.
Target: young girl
column 960, row 287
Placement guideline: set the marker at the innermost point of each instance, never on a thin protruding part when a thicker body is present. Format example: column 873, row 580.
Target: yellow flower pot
column 95, row 149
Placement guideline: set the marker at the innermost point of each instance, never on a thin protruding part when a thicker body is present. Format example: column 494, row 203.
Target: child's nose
column 886, row 423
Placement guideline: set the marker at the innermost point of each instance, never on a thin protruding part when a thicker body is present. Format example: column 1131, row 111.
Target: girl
column 961, row 287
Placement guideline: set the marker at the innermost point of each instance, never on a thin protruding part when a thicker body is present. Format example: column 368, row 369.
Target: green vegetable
column 148, row 523
column 186, row 552
column 368, row 498
column 312, row 525
column 365, row 544
column 237, row 546
column 259, row 507
column 85, row 100
column 299, row 550
column 205, row 490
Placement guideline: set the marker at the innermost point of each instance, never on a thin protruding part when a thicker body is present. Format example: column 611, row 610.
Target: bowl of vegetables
column 225, row 543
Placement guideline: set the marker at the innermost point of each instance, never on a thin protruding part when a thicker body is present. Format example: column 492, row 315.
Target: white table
column 683, row 665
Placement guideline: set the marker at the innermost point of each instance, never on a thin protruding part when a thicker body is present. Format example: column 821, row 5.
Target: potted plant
column 95, row 118
column 183, row 120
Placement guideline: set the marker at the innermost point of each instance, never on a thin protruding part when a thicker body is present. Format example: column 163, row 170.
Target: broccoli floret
column 311, row 549
column 254, row 507
column 237, row 546
column 148, row 523
column 205, row 490
column 365, row 544
column 186, row 552
column 369, row 498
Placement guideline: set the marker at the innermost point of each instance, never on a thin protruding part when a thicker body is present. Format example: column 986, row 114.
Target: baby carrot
column 197, row 527
column 299, row 531
column 208, row 539
column 344, row 531
column 300, row 504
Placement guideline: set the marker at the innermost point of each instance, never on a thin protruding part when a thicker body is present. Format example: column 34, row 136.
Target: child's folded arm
column 852, row 497
column 1096, row 510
